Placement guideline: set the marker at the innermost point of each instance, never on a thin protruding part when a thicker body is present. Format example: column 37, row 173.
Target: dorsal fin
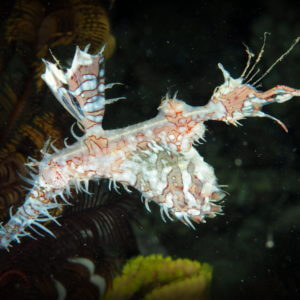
column 81, row 89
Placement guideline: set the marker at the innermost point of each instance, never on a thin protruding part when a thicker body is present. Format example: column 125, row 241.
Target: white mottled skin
column 156, row 157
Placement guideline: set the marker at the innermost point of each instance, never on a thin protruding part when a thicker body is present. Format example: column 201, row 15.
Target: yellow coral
column 188, row 289
column 155, row 277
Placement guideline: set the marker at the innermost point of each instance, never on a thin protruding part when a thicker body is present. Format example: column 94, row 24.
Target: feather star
column 156, row 157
